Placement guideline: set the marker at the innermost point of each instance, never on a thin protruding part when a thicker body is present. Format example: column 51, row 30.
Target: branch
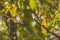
column 37, row 20
column 35, row 17
column 47, row 29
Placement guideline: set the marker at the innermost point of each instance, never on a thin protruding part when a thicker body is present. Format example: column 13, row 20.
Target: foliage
column 23, row 13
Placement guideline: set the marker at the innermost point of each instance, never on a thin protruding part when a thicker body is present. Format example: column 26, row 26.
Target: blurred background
column 18, row 19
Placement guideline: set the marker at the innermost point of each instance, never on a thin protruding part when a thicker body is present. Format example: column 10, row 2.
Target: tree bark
column 11, row 27
column 12, row 30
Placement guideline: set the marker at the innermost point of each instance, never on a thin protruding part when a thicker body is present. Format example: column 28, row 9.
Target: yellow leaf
column 7, row 8
column 4, row 24
column 13, row 11
column 32, row 3
column 45, row 24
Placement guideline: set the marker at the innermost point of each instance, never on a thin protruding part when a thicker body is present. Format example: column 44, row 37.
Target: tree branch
column 36, row 19
column 47, row 29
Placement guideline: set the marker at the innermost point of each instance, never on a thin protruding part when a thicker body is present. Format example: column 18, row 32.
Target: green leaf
column 58, row 15
column 52, row 24
column 32, row 3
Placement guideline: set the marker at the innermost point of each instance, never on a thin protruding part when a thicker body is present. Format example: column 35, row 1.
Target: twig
column 47, row 30
column 37, row 20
